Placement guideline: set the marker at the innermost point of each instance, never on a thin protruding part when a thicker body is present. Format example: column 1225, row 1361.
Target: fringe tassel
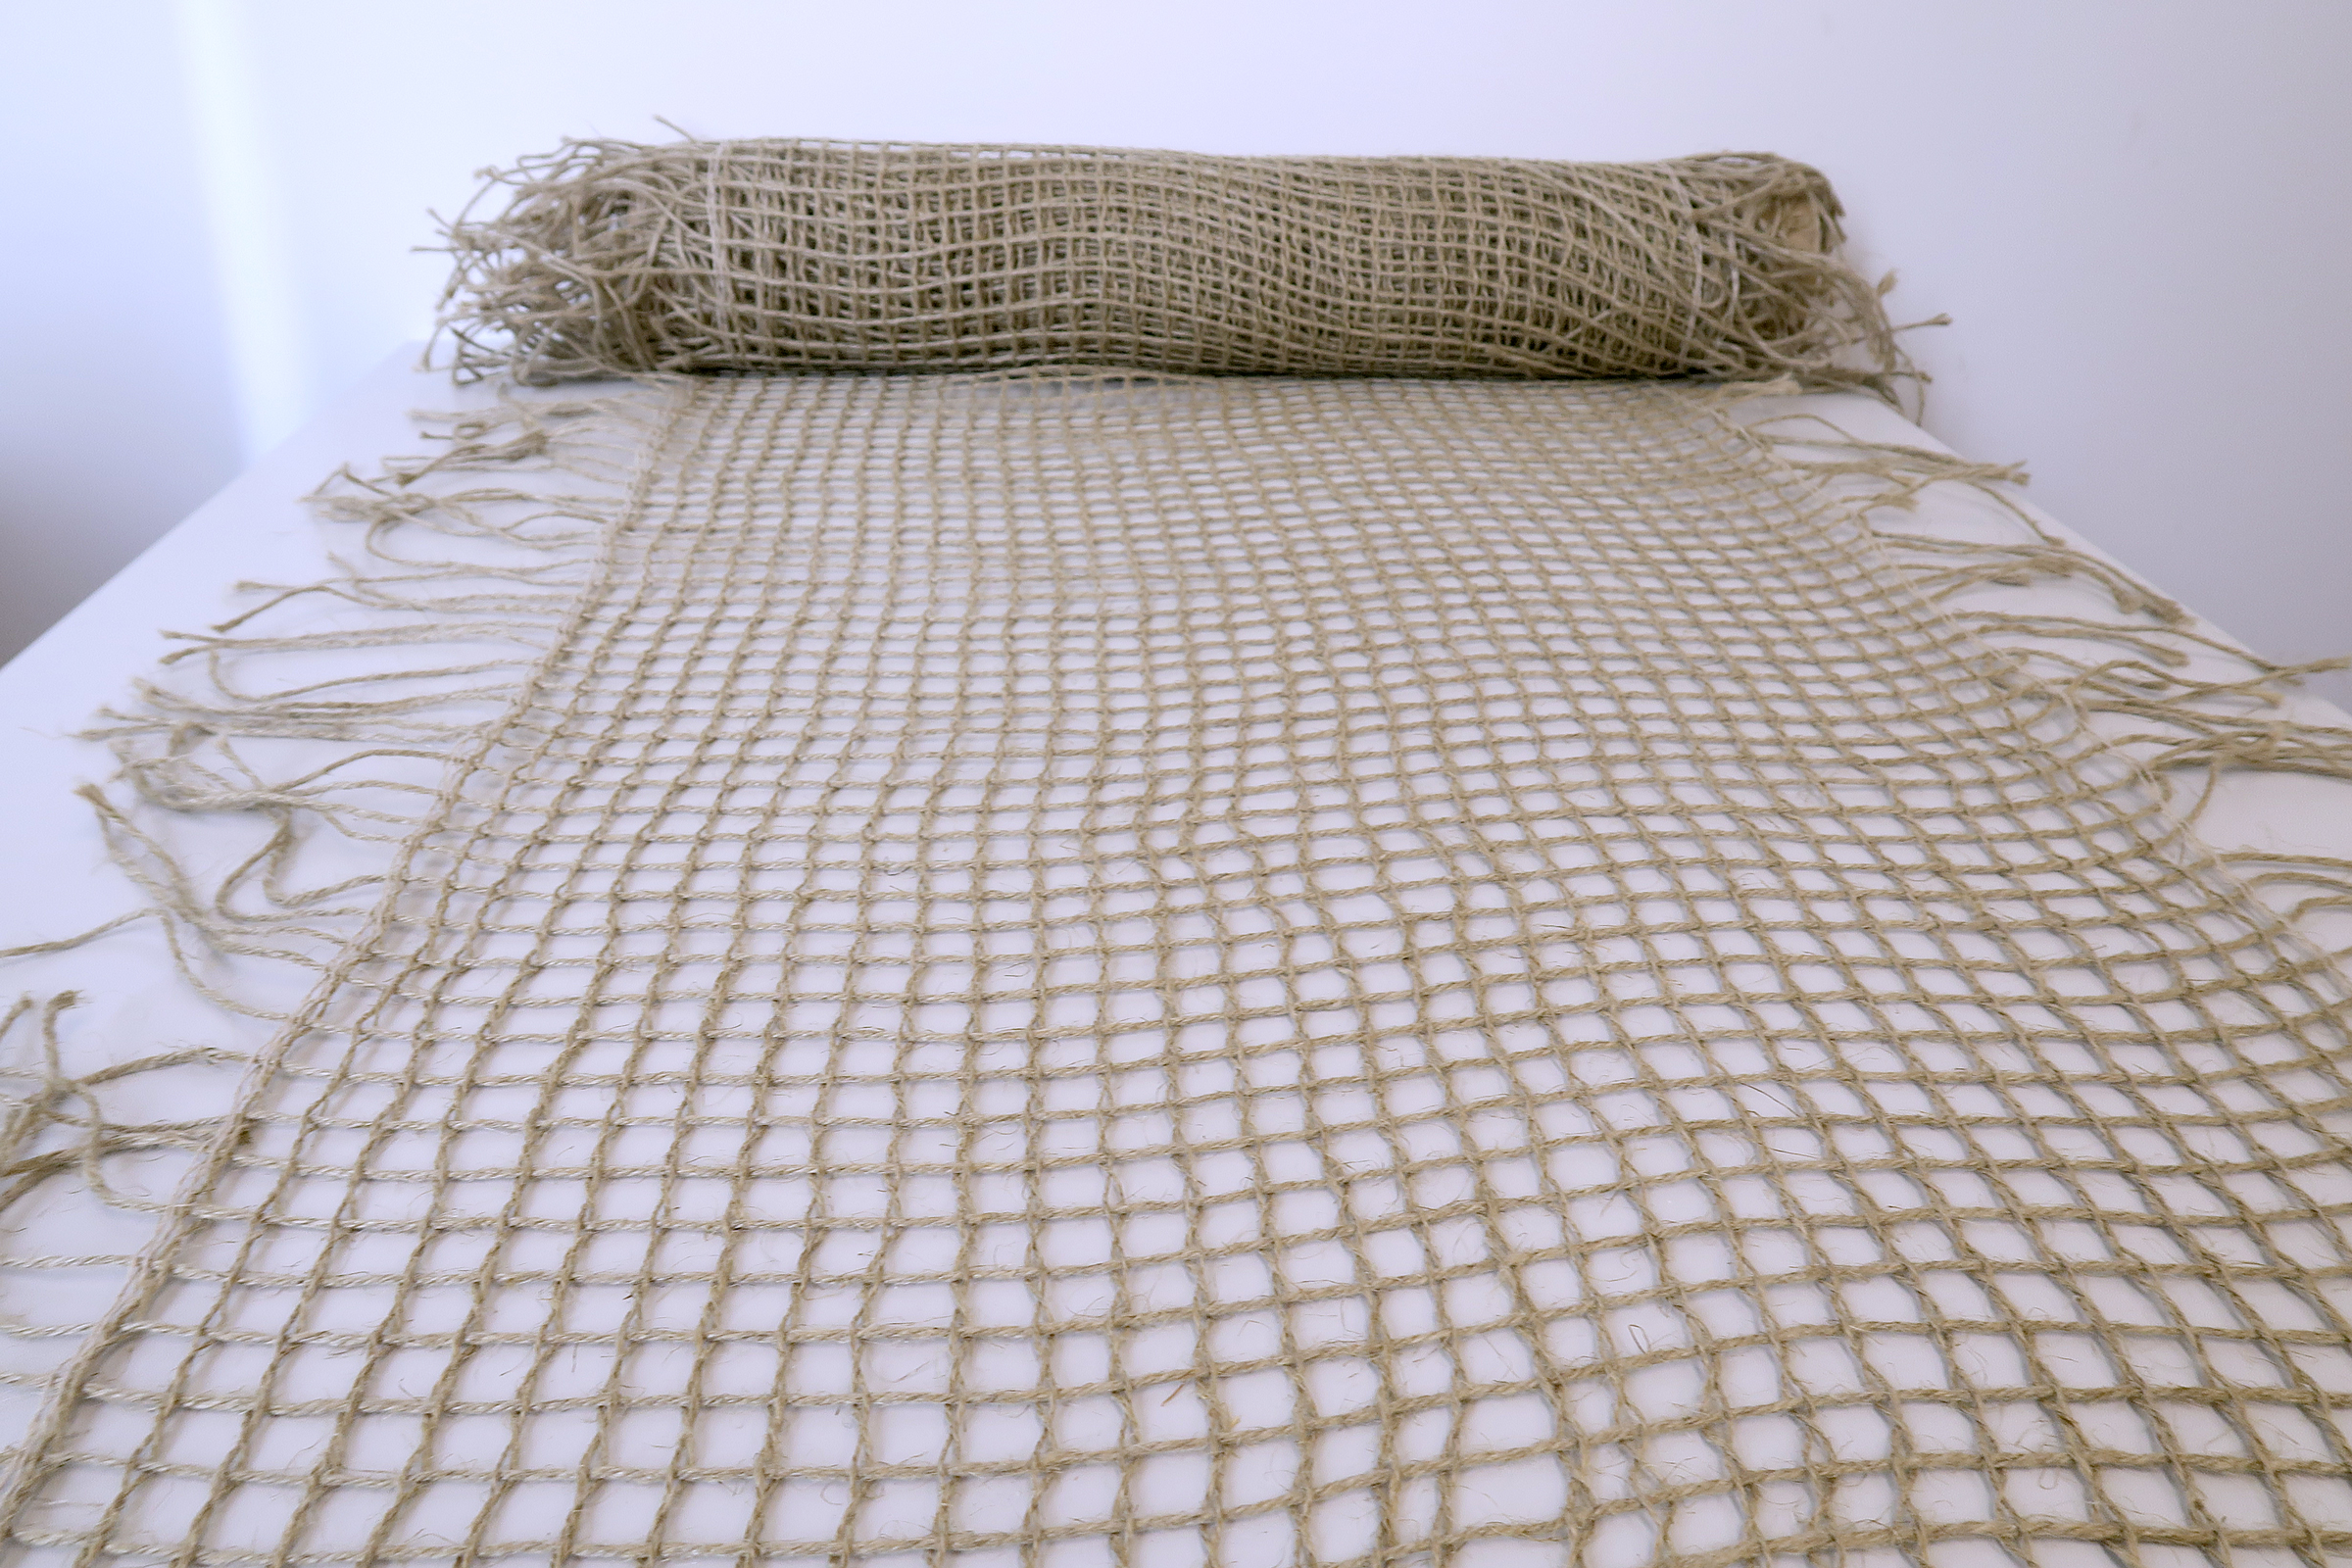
column 2219, row 726
column 177, row 749
column 62, row 1099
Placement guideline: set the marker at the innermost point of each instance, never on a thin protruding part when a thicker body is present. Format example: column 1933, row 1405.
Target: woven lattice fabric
column 1069, row 971
column 797, row 254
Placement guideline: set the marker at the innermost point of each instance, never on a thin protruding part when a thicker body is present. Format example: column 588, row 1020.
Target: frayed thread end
column 181, row 749
column 60, row 1099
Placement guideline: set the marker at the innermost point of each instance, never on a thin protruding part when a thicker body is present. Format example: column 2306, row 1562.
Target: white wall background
column 115, row 386
column 2139, row 211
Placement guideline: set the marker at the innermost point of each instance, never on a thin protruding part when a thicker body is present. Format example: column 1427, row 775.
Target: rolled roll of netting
column 789, row 255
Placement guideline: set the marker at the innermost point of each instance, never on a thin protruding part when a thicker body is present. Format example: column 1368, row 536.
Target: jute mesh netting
column 784, row 255
column 1083, row 969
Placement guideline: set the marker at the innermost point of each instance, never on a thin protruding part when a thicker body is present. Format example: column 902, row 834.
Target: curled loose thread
column 551, row 523
column 177, row 782
column 2016, row 566
column 2329, row 874
column 2135, row 687
column 2273, row 747
column 378, row 593
column 60, row 1099
column 178, row 907
column 2168, row 646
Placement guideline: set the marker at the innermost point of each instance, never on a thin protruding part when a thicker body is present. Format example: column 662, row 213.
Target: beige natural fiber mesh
column 1072, row 971
column 799, row 255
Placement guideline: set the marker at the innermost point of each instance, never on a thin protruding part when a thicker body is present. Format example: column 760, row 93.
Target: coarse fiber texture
column 1072, row 971
column 798, row 255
